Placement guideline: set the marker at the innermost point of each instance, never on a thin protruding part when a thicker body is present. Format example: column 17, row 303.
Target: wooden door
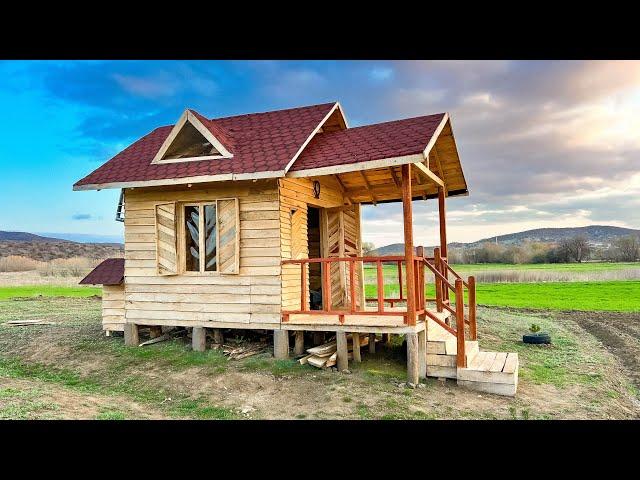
column 340, row 232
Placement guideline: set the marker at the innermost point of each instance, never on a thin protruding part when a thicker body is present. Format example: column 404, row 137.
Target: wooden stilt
column 407, row 214
column 341, row 344
column 413, row 362
column 422, row 353
column 281, row 344
column 199, row 339
column 318, row 338
column 155, row 331
column 372, row 343
column 386, row 337
column 131, row 335
column 218, row 337
column 355, row 338
column 298, row 348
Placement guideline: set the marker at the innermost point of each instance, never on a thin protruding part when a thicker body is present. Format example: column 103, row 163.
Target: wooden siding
column 113, row 307
column 250, row 299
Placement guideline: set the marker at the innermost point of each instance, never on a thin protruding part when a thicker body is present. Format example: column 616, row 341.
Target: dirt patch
column 618, row 332
column 35, row 399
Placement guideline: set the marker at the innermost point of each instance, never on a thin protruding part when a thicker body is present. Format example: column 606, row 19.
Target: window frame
column 201, row 239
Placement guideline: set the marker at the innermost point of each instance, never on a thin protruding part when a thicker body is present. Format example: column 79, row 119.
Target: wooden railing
column 353, row 307
column 441, row 270
column 437, row 264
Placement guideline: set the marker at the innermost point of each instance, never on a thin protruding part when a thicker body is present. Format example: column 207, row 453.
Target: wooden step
column 449, row 359
column 492, row 372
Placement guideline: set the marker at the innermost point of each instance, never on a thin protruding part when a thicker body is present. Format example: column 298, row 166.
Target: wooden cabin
column 254, row 222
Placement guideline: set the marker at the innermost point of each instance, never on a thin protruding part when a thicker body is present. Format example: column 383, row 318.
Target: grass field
column 9, row 292
column 615, row 296
column 71, row 370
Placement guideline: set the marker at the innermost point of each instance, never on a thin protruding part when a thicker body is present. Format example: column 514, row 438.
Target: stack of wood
column 243, row 351
column 326, row 355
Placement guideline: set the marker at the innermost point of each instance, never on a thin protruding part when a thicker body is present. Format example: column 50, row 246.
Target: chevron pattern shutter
column 228, row 231
column 166, row 251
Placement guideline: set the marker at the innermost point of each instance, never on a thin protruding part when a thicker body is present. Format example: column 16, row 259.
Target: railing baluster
column 380, row 286
column 461, row 359
column 400, row 278
column 352, row 284
column 304, row 294
column 326, row 286
column 473, row 327
column 439, row 283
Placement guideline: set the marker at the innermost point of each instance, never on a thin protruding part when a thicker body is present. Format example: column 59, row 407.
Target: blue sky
column 542, row 143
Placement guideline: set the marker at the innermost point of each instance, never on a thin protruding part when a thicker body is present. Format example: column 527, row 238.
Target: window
column 210, row 240
column 200, row 238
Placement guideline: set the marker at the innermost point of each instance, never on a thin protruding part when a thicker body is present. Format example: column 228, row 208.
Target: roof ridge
column 390, row 121
column 273, row 111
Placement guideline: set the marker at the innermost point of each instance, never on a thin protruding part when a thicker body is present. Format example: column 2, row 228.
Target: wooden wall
column 113, row 307
column 250, row 299
column 295, row 195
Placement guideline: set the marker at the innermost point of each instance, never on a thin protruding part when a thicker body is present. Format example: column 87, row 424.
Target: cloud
column 82, row 216
column 542, row 143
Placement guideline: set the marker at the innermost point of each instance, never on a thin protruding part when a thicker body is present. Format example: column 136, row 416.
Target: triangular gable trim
column 188, row 116
column 316, row 130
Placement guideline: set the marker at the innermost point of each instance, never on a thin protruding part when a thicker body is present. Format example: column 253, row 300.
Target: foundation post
column 355, row 338
column 217, row 336
column 343, row 352
column 298, row 348
column 131, row 335
column 318, row 338
column 281, row 343
column 199, row 339
column 155, row 331
column 422, row 353
column 413, row 363
column 372, row 343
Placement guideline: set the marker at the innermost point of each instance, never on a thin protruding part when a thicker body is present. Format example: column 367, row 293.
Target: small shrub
column 534, row 328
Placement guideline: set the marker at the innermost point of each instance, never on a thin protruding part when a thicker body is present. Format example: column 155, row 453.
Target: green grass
column 615, row 296
column 7, row 293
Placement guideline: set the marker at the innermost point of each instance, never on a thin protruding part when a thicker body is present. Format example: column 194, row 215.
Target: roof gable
column 262, row 144
column 192, row 138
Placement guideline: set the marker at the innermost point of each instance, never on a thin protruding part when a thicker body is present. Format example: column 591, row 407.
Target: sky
column 542, row 143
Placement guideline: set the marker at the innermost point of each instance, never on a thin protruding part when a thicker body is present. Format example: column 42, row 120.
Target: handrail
column 440, row 269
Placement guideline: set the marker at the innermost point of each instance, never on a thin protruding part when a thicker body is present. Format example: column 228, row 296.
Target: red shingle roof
column 370, row 142
column 109, row 272
column 259, row 142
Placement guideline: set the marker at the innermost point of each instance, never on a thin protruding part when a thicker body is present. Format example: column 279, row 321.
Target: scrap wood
column 304, row 360
column 24, row 323
column 159, row 339
column 237, row 353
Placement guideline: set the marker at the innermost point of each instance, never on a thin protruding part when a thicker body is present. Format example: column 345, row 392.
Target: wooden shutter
column 166, row 236
column 228, row 236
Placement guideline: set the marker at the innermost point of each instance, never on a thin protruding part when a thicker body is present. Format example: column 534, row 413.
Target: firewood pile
column 326, row 355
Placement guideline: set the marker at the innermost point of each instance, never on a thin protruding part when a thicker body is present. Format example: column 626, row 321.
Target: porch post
column 443, row 224
column 408, row 244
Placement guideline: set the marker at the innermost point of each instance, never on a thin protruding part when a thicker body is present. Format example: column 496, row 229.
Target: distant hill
column 595, row 234
column 601, row 235
column 44, row 248
column 25, row 237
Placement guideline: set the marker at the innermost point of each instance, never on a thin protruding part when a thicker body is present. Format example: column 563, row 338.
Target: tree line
column 575, row 249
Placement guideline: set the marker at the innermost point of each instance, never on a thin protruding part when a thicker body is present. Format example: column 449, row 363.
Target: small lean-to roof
column 109, row 272
column 263, row 143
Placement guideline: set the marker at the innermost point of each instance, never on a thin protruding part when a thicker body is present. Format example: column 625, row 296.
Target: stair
column 491, row 372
